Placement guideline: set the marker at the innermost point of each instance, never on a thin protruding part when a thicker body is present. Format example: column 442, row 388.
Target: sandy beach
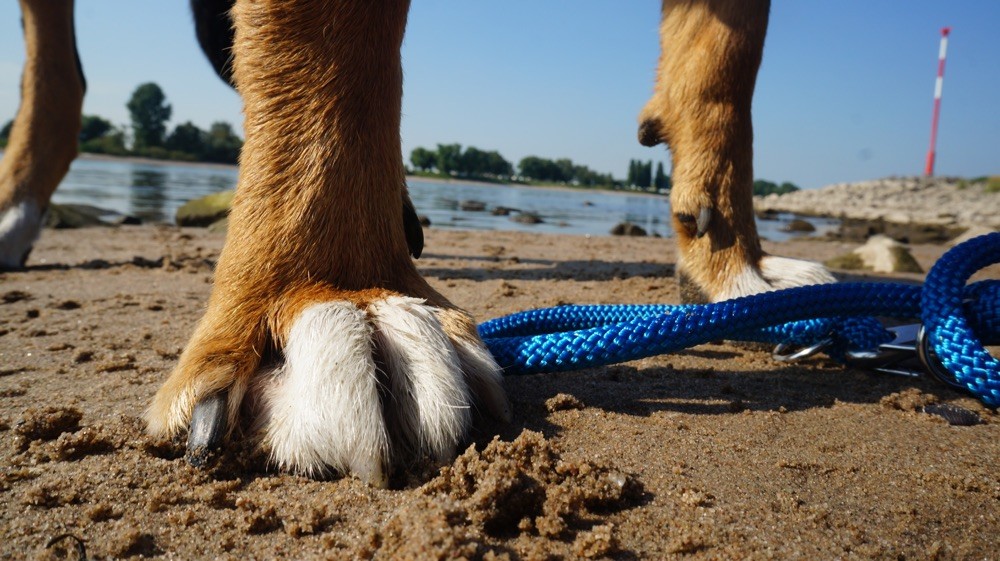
column 716, row 452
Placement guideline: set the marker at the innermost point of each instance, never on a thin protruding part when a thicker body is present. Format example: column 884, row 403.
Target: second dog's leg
column 43, row 141
column 711, row 50
column 320, row 336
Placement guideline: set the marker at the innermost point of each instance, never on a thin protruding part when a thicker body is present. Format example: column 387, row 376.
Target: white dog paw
column 19, row 228
column 775, row 273
column 362, row 389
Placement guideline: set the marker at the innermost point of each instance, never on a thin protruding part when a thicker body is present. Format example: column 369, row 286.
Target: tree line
column 762, row 187
column 148, row 135
column 472, row 163
column 451, row 159
column 641, row 175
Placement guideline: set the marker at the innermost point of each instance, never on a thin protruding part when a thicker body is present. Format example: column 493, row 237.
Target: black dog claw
column 411, row 227
column 208, row 428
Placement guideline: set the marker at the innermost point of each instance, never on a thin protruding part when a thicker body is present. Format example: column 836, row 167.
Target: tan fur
column 711, row 50
column 316, row 217
column 317, row 205
column 43, row 141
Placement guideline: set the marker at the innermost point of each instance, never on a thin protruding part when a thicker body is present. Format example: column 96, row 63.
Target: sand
column 713, row 453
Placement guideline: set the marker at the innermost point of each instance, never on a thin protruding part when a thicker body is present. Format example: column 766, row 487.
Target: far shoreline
column 95, row 157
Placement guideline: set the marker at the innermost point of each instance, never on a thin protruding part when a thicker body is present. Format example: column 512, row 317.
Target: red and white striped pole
column 929, row 170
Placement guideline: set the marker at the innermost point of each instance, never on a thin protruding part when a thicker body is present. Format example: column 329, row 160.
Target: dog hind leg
column 319, row 324
column 43, row 140
column 710, row 53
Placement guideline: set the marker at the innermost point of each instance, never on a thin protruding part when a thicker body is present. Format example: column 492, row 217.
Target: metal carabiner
column 898, row 357
column 931, row 361
column 783, row 352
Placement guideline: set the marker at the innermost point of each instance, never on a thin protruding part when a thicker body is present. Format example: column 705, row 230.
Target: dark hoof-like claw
column 208, row 428
column 411, row 227
column 697, row 226
column 649, row 133
column 704, row 218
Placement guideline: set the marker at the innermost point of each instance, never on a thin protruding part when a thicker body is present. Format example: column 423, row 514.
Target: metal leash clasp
column 785, row 352
column 909, row 354
column 899, row 356
column 932, row 363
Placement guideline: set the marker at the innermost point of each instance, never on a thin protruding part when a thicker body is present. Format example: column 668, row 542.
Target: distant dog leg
column 43, row 141
column 711, row 50
column 320, row 336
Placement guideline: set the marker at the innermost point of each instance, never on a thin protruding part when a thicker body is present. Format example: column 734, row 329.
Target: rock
column 767, row 214
column 941, row 202
column 82, row 216
column 798, row 225
column 424, row 221
column 503, row 211
column 219, row 226
column 628, row 229
column 849, row 261
column 527, row 218
column 472, row 206
column 206, row 210
column 859, row 230
column 972, row 232
column 880, row 254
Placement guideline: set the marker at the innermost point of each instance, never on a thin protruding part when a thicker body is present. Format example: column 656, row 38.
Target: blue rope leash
column 959, row 320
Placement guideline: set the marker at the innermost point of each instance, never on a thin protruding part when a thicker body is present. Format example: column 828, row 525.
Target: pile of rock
column 934, row 201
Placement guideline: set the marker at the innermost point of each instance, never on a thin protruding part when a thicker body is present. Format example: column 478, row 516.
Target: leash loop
column 949, row 331
column 837, row 318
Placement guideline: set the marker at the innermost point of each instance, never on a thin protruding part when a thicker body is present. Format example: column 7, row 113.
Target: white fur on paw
column 429, row 401
column 322, row 408
column 484, row 376
column 775, row 273
column 19, row 228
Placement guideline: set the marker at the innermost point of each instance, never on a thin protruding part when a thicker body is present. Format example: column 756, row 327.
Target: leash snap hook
column 899, row 357
column 930, row 360
column 785, row 352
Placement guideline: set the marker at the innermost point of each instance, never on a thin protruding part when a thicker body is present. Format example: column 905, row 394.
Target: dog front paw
column 365, row 383
column 770, row 273
column 19, row 228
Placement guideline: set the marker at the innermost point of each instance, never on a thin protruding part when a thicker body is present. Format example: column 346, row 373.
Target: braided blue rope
column 950, row 332
column 572, row 337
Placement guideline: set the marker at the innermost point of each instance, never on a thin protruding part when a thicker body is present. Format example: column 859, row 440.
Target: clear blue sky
column 844, row 93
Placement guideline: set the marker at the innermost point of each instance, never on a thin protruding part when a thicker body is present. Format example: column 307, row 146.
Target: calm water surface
column 154, row 191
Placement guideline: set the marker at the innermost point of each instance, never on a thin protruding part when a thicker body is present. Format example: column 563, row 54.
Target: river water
column 153, row 191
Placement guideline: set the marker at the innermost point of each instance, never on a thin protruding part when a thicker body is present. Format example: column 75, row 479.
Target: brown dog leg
column 711, row 50
column 319, row 324
column 43, row 141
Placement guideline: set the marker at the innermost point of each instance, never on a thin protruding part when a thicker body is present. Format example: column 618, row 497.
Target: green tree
column 222, row 144
column 661, row 180
column 449, row 158
column 422, row 158
column 5, row 132
column 473, row 162
column 565, row 170
column 787, row 187
column 189, row 139
column 92, row 127
column 111, row 142
column 538, row 169
column 150, row 113
column 644, row 173
column 497, row 165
